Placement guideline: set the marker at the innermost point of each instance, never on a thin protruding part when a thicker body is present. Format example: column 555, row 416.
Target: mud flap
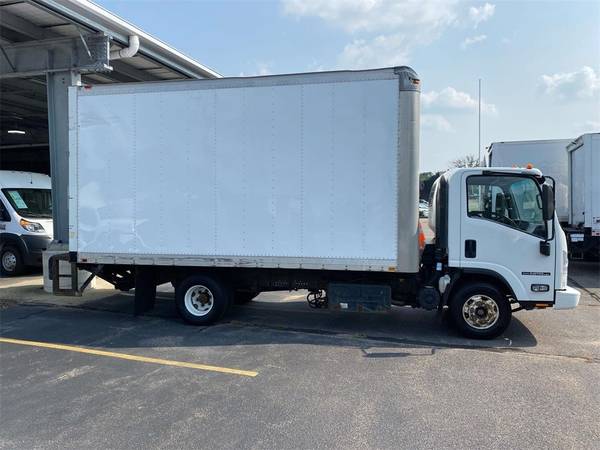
column 145, row 290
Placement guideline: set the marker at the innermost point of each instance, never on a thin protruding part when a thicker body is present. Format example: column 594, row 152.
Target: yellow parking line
column 164, row 362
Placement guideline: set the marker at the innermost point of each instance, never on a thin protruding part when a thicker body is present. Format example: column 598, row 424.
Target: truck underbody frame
column 403, row 287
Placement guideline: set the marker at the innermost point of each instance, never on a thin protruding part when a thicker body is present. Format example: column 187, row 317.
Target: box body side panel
column 251, row 176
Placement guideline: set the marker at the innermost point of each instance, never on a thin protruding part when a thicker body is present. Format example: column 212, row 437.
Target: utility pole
column 479, row 126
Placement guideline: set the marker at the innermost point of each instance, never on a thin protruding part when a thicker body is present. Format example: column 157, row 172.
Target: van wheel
column 480, row 311
column 201, row 300
column 11, row 262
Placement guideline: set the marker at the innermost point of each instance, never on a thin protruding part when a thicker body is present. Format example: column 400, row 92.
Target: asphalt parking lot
column 83, row 372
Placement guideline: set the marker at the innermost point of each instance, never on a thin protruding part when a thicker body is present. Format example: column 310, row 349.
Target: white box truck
column 584, row 199
column 231, row 187
column 550, row 156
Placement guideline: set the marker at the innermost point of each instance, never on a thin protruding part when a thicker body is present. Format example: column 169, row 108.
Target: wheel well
column 493, row 279
column 9, row 239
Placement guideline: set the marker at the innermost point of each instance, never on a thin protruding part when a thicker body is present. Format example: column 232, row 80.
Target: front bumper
column 33, row 247
column 567, row 298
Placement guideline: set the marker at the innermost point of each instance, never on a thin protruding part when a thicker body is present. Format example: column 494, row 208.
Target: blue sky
column 539, row 61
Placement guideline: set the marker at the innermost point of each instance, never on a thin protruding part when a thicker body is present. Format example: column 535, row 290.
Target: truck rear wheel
column 201, row 300
column 480, row 311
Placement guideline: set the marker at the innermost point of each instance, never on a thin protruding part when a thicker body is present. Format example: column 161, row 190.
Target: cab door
column 4, row 218
column 502, row 226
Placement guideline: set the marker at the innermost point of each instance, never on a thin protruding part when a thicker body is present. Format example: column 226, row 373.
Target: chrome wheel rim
column 9, row 261
column 481, row 312
column 199, row 300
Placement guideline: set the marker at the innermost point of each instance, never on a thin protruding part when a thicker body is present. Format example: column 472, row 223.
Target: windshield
column 33, row 203
column 510, row 200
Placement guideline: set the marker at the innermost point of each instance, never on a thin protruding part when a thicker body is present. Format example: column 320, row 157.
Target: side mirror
column 547, row 202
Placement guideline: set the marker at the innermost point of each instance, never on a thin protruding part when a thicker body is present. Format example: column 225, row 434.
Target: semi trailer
column 549, row 155
column 573, row 164
column 231, row 187
column 583, row 230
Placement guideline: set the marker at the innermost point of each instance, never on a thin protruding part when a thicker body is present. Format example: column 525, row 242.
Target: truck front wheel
column 480, row 311
column 11, row 262
column 201, row 300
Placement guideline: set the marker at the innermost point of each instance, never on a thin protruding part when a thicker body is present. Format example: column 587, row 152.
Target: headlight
column 31, row 226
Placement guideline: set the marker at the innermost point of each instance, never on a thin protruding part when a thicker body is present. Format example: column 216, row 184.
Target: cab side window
column 510, row 200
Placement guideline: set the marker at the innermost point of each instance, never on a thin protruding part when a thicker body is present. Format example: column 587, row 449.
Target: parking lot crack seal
column 517, row 351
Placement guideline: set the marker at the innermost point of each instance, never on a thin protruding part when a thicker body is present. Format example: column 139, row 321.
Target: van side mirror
column 547, row 202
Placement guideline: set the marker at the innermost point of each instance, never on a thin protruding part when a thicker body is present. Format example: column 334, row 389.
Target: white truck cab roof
column 508, row 170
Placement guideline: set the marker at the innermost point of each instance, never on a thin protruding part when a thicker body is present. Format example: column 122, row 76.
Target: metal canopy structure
column 23, row 105
column 47, row 45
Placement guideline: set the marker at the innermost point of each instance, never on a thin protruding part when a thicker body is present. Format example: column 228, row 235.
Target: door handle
column 470, row 248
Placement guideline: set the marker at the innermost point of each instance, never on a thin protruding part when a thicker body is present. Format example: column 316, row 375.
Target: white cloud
column 315, row 66
column 452, row 99
column 384, row 32
column 436, row 122
column 390, row 50
column 261, row 69
column 375, row 15
column 583, row 83
column 472, row 40
column 481, row 14
column 589, row 126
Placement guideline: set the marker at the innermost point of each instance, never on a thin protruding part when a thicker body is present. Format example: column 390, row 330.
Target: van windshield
column 33, row 203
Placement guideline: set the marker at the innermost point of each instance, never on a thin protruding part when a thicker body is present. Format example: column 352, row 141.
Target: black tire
column 243, row 297
column 208, row 291
column 11, row 261
column 485, row 319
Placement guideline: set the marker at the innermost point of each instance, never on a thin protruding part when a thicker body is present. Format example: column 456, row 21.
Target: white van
column 25, row 219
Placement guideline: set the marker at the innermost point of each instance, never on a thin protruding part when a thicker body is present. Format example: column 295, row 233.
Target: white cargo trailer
column 550, row 156
column 584, row 199
column 231, row 187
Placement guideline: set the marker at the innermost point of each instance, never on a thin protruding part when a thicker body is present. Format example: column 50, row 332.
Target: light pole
column 479, row 126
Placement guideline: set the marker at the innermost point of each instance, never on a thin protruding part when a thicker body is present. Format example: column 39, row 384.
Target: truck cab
column 25, row 220
column 499, row 246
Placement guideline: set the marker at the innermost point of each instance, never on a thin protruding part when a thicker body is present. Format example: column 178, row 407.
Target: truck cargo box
column 584, row 168
column 315, row 171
